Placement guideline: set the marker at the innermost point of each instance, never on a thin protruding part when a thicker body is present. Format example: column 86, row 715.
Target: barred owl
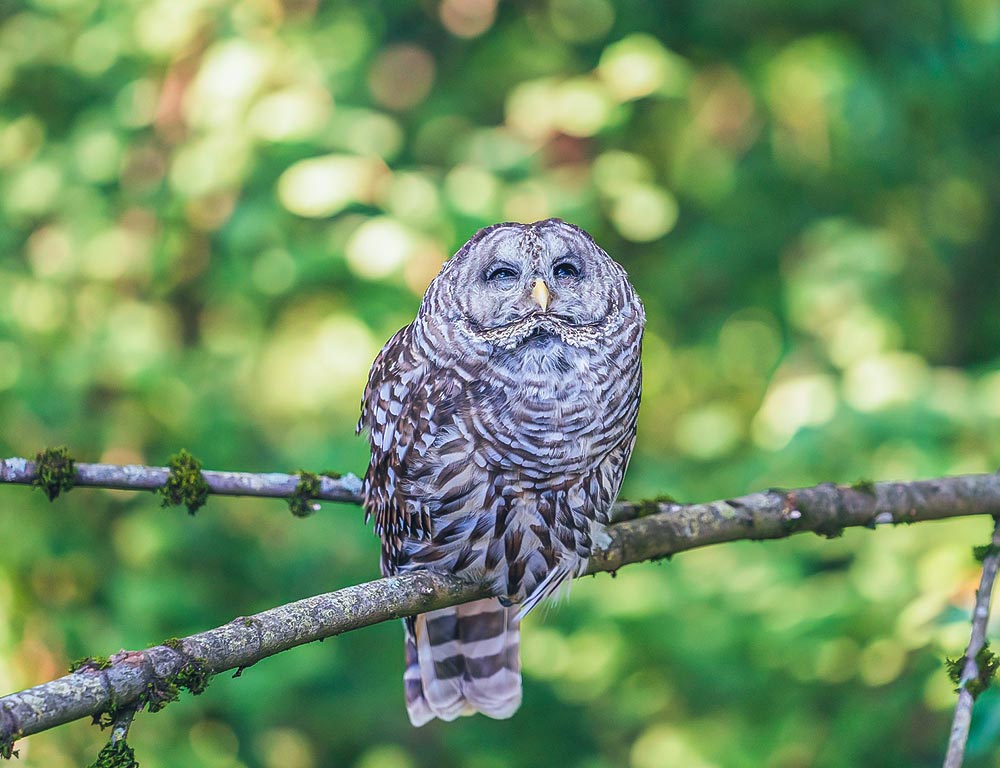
column 501, row 421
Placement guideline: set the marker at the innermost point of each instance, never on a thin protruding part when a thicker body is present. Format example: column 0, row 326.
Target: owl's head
column 517, row 284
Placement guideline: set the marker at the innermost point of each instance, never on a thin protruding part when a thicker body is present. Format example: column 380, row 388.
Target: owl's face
column 514, row 285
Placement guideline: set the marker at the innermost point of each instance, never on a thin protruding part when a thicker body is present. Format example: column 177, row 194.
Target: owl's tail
column 463, row 660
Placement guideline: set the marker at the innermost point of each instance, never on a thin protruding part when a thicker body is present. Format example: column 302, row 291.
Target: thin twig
column 117, row 752
column 971, row 671
column 824, row 509
column 121, row 725
column 137, row 477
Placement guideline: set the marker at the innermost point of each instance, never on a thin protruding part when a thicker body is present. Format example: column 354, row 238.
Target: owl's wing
column 607, row 480
column 609, row 476
column 405, row 403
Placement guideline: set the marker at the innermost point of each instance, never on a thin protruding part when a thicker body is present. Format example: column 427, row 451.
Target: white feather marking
column 385, row 437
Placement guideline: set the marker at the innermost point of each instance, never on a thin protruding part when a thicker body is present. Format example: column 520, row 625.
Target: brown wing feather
column 406, row 401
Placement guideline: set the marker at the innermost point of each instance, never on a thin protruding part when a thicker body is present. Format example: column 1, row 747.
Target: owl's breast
column 547, row 414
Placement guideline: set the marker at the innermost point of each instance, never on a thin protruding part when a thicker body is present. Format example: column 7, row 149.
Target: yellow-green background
column 212, row 214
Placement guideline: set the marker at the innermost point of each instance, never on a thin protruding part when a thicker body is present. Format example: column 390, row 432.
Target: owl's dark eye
column 565, row 269
column 501, row 273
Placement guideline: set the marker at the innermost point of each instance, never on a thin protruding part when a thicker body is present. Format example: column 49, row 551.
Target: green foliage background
column 212, row 214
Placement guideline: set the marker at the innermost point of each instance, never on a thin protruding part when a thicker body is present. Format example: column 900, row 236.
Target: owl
column 500, row 421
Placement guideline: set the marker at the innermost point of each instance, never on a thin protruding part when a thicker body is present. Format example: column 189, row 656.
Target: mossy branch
column 139, row 477
column 130, row 679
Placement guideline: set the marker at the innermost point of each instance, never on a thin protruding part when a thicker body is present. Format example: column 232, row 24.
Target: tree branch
column 963, row 495
column 976, row 671
column 646, row 531
column 136, row 477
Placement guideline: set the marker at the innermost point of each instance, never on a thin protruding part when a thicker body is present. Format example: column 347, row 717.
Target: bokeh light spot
column 367, row 132
column 530, row 108
column 401, row 76
column 879, row 382
column 724, row 108
column 210, row 163
column 135, row 541
column 615, row 172
column 472, row 190
column 96, row 49
column 467, row 18
column 497, row 149
column 806, row 86
column 378, row 247
column 113, row 253
column 322, row 186
column 526, row 202
column 348, row 37
column 639, row 66
column 837, row 659
column 273, row 271
column 291, row 114
column 286, row 748
column 20, row 139
column 34, row 190
column 749, row 346
column 98, row 154
column 987, row 396
column 50, row 252
column 792, row 403
column 385, row 756
column 411, row 197
column 881, row 661
column 38, row 306
column 709, row 431
column 643, row 213
column 666, row 746
column 214, row 742
column 581, row 21
column 136, row 338
column 582, row 107
column 136, row 102
column 165, row 26
column 315, row 361
column 547, row 657
column 227, row 80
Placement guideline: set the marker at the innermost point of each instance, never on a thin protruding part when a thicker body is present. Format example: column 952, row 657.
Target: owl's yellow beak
column 540, row 293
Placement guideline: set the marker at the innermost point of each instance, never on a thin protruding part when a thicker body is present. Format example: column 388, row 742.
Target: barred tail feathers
column 413, row 687
column 463, row 660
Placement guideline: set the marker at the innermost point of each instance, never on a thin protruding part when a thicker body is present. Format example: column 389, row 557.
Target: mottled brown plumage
column 501, row 421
